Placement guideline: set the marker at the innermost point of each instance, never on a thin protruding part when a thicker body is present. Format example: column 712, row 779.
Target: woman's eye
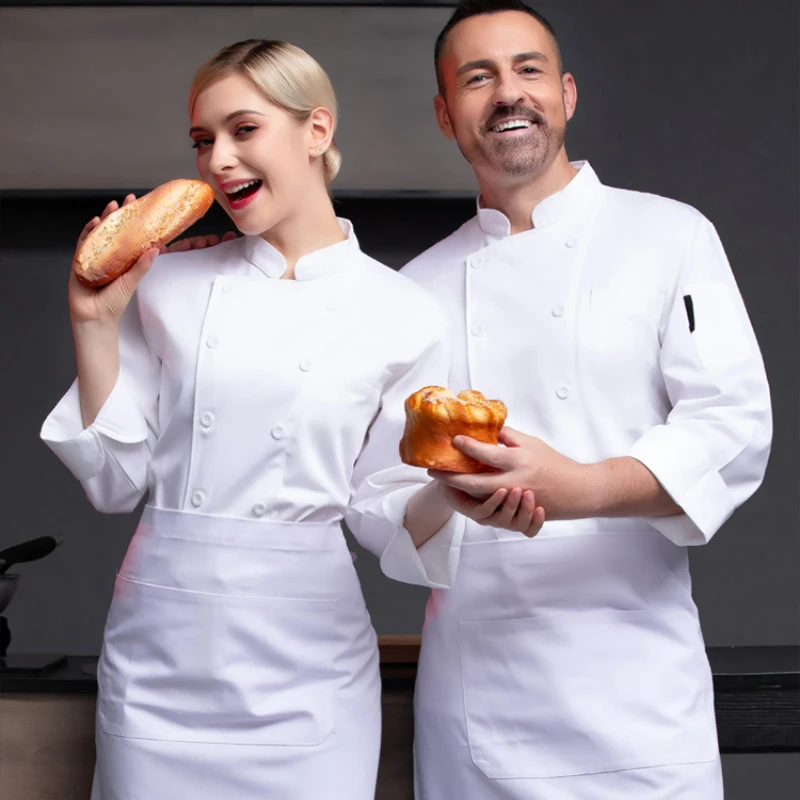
column 245, row 129
column 198, row 143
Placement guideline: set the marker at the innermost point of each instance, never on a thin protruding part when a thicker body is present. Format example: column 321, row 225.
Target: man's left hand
column 197, row 243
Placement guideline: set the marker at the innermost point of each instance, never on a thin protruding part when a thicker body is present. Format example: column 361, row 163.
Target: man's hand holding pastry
column 519, row 464
column 435, row 418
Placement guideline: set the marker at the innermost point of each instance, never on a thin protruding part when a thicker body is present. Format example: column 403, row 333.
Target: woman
column 254, row 391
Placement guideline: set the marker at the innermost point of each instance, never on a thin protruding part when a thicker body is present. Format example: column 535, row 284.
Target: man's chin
column 516, row 167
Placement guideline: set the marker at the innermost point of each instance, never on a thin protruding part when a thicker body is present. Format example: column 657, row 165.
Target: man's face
column 504, row 101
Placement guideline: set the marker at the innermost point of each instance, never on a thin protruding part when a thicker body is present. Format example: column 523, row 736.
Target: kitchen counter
column 47, row 719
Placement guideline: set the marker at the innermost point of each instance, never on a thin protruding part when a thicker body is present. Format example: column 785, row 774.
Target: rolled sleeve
column 111, row 457
column 81, row 449
column 433, row 564
column 684, row 471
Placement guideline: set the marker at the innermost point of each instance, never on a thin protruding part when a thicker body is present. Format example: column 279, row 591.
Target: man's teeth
column 511, row 125
column 240, row 187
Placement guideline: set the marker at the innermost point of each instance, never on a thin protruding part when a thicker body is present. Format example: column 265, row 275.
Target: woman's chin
column 250, row 225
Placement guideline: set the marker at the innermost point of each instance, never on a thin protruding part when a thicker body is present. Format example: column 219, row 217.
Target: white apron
column 238, row 662
column 566, row 668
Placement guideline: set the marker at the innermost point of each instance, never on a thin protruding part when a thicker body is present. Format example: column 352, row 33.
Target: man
column 571, row 666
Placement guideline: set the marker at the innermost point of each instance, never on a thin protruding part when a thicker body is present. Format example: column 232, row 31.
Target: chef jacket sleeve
column 383, row 485
column 111, row 456
column 711, row 453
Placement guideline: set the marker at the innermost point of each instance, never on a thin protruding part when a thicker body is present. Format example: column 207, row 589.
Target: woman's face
column 256, row 157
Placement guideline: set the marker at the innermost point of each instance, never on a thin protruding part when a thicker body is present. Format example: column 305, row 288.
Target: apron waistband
column 268, row 534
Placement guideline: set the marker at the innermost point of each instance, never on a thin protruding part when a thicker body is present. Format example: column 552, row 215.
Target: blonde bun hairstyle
column 287, row 76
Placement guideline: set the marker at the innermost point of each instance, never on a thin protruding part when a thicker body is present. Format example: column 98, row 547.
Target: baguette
column 153, row 220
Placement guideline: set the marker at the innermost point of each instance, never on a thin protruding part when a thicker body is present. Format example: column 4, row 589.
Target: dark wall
column 697, row 102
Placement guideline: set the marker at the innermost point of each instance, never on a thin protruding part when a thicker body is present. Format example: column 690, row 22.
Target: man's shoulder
column 650, row 209
column 448, row 252
column 391, row 284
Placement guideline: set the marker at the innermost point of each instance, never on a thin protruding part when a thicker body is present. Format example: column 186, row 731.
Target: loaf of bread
column 435, row 415
column 153, row 220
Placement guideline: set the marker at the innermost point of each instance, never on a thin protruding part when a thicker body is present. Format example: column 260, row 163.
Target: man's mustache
column 514, row 112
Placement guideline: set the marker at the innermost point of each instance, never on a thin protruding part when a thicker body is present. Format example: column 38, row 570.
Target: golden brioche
column 153, row 220
column 435, row 415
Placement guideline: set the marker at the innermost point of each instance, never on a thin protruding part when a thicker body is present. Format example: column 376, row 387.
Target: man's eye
column 477, row 78
column 530, row 70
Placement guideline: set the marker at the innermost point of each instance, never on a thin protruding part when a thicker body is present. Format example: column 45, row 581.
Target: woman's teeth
column 240, row 187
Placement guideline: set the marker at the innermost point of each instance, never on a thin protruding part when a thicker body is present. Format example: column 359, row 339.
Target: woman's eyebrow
column 233, row 115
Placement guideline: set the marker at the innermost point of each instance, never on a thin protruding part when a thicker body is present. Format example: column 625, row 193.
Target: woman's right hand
column 106, row 304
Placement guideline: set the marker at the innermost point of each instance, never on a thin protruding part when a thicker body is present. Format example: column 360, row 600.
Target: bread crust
column 153, row 220
column 434, row 415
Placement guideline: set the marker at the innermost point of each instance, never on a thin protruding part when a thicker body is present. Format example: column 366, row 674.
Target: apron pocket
column 572, row 694
column 189, row 666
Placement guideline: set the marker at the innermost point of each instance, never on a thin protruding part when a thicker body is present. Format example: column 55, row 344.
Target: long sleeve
column 383, row 485
column 711, row 453
column 111, row 457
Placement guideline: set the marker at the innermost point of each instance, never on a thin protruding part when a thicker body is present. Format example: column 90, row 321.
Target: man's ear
column 569, row 93
column 443, row 117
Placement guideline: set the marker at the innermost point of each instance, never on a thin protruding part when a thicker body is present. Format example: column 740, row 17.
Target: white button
column 476, row 262
column 259, row 509
column 207, row 419
column 212, row 342
column 278, row 432
column 476, row 329
column 305, row 366
column 572, row 241
column 557, row 311
column 198, row 498
column 562, row 392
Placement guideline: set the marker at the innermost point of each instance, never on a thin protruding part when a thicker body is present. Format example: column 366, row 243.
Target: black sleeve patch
column 687, row 301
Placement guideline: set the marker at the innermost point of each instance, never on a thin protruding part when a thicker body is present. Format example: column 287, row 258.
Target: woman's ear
column 321, row 126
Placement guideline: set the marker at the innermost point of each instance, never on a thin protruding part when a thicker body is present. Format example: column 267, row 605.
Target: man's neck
column 517, row 199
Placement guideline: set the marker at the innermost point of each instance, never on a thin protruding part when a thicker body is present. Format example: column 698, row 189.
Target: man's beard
column 519, row 154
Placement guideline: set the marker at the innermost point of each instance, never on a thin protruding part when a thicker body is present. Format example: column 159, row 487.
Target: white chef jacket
column 581, row 327
column 572, row 664
column 355, row 338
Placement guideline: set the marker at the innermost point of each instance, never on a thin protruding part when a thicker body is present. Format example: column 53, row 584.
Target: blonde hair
column 288, row 77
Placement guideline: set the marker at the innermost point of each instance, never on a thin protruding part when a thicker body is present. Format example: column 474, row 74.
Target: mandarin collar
column 561, row 204
column 317, row 264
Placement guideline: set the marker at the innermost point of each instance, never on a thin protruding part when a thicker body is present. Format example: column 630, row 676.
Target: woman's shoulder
column 175, row 272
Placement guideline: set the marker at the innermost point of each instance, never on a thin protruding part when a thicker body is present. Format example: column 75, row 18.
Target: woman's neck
column 312, row 226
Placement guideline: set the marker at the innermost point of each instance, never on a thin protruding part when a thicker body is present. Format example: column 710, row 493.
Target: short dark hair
column 473, row 8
